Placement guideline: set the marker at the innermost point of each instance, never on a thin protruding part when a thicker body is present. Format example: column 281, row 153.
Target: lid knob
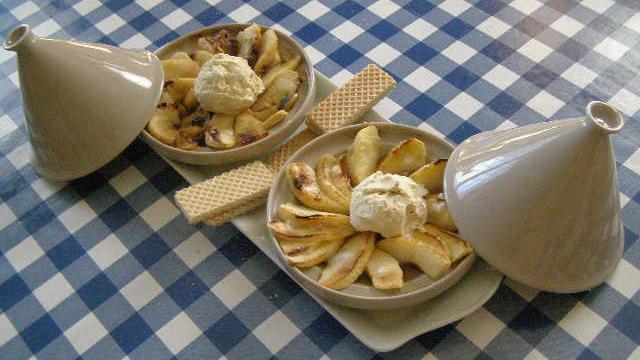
column 605, row 117
column 17, row 37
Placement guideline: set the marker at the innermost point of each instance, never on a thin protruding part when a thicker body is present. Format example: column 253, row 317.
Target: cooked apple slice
column 315, row 255
column 324, row 168
column 202, row 56
column 303, row 183
column 274, row 119
column 340, row 176
column 431, row 176
column 180, row 66
column 268, row 51
column 363, row 154
column 179, row 87
column 404, row 158
column 384, row 271
column 248, row 129
column 220, row 134
column 272, row 74
column 166, row 98
column 421, row 249
column 296, row 247
column 164, row 123
column 307, row 218
column 292, row 101
column 457, row 247
column 190, row 100
column 184, row 142
column 288, row 232
column 247, row 40
column 439, row 212
column 193, row 126
column 349, row 262
column 278, row 94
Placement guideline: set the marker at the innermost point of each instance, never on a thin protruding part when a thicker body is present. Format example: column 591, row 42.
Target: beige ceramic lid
column 84, row 103
column 540, row 202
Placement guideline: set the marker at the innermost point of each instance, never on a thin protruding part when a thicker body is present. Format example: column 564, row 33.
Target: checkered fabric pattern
column 106, row 268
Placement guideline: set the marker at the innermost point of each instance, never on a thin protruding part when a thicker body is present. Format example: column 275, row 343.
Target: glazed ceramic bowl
column 209, row 156
column 418, row 287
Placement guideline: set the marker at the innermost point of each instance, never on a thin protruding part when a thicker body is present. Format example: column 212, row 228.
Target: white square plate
column 372, row 327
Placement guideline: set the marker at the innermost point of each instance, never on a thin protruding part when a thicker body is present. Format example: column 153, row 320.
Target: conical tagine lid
column 83, row 102
column 540, row 202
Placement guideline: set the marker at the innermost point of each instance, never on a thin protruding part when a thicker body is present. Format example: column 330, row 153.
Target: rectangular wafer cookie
column 226, row 191
column 346, row 105
column 221, row 218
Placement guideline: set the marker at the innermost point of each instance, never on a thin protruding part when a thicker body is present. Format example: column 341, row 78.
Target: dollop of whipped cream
column 226, row 84
column 389, row 204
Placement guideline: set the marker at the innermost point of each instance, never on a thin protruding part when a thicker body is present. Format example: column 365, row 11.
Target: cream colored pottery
column 277, row 134
column 84, row 103
column 372, row 327
column 418, row 287
column 540, row 202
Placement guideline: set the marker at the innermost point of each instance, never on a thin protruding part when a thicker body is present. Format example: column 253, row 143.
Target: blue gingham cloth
column 105, row 267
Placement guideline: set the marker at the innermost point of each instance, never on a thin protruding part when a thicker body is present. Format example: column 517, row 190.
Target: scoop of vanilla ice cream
column 227, row 84
column 389, row 204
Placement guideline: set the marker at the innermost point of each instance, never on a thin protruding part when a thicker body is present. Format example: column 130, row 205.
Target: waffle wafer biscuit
column 346, row 105
column 221, row 218
column 280, row 156
column 224, row 192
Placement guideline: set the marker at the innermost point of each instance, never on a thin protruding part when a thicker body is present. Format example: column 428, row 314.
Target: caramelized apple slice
column 268, row 51
column 324, row 168
column 311, row 219
column 421, row 249
column 248, row 129
column 202, row 56
column 248, row 40
column 315, row 255
column 274, row 71
column 220, row 134
column 179, row 87
column 439, row 212
column 431, row 176
column 363, row 154
column 164, row 124
column 457, row 247
column 180, row 66
column 340, row 176
column 303, row 183
column 344, row 268
column 190, row 100
column 296, row 247
column 287, row 232
column 404, row 158
column 384, row 271
column 277, row 95
column 274, row 119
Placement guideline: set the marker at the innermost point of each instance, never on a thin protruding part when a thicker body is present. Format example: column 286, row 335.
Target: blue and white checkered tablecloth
column 105, row 267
